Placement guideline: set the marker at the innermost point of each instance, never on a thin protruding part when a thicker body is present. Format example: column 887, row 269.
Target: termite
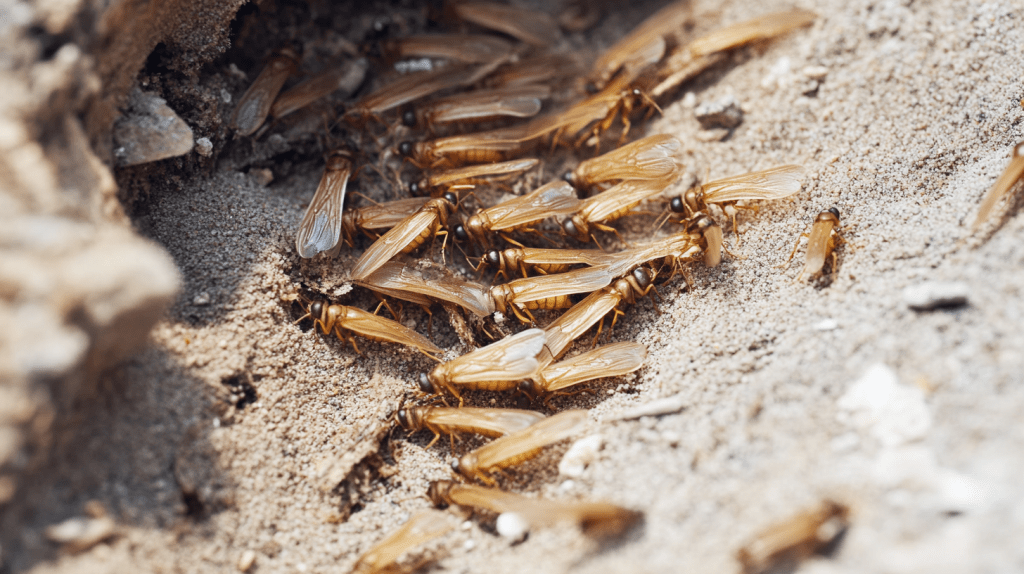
column 781, row 547
column 774, row 183
column 378, row 217
column 546, row 68
column 418, row 85
column 611, row 360
column 383, row 556
column 531, row 26
column 448, row 420
column 653, row 157
column 473, row 175
column 337, row 319
column 403, row 282
column 411, row 233
column 821, row 243
column 320, row 229
column 703, row 228
column 479, row 105
column 520, row 296
column 541, row 261
column 496, row 367
column 643, row 46
column 480, row 147
column 465, row 48
column 702, row 53
column 552, row 199
column 1010, row 176
column 596, row 518
column 255, row 103
column 518, row 447
column 611, row 204
column 583, row 315
column 337, row 77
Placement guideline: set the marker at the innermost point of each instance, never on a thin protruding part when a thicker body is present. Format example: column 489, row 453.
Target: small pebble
column 654, row 408
column 204, row 147
column 722, row 113
column 689, row 100
column 246, row 561
column 714, row 135
column 567, row 484
column 201, row 299
column 512, row 525
column 817, row 73
column 466, row 525
column 580, row 454
column 935, row 294
column 261, row 175
column 469, row 544
column 826, row 325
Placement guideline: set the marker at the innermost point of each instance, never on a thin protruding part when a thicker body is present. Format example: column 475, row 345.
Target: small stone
column 722, row 113
column 204, row 147
column 81, row 533
column 512, row 525
column 150, row 131
column 469, row 545
column 201, row 299
column 935, row 294
column 580, row 454
column 246, row 561
column 715, row 135
column 466, row 525
column 665, row 406
column 817, row 73
column 689, row 100
column 826, row 325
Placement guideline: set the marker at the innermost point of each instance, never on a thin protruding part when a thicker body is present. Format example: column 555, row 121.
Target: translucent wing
column 383, row 329
column 499, row 421
column 518, row 102
column 531, row 26
column 817, row 246
column 388, row 214
column 774, row 183
column 605, row 361
column 654, row 157
column 1011, row 175
column 618, row 264
column 584, row 280
column 762, row 28
column 320, row 229
column 394, row 241
column 540, row 434
column 422, row 527
column 645, row 44
column 604, row 205
column 419, row 85
column 509, row 359
column 493, row 170
column 468, row 48
column 254, row 105
column 395, row 277
column 540, row 256
column 552, row 199
column 576, row 321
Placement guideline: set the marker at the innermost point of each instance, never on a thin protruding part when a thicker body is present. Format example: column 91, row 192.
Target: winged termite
column 596, row 518
column 583, row 315
column 340, row 318
column 320, row 229
column 611, row 360
column 653, row 157
column 644, row 46
column 383, row 557
column 610, row 205
column 552, row 199
column 531, row 26
column 480, row 147
column 707, row 50
column 820, row 243
column 446, row 420
column 518, row 447
column 1010, row 176
column 781, row 547
column 774, row 183
column 402, row 282
column 378, row 217
column 255, row 103
column 496, row 367
column 414, row 86
column 547, row 291
column 479, row 105
column 474, row 175
column 465, row 48
column 346, row 78
column 541, row 261
column 412, row 232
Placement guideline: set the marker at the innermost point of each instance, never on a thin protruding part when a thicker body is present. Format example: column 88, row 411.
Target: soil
column 237, row 433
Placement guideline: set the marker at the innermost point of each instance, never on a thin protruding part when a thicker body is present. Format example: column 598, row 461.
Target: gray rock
column 150, row 131
column 935, row 294
column 722, row 113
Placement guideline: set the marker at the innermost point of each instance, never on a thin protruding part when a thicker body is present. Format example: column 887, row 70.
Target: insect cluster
column 477, row 120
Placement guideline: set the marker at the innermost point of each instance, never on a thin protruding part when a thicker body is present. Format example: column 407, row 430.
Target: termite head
column 465, row 465
column 406, row 148
column 473, row 228
column 316, row 310
column 427, row 384
column 437, row 492
column 409, row 118
column 577, row 228
column 835, row 212
column 416, row 189
column 492, row 258
column 677, row 205
column 570, row 177
column 530, row 388
column 409, row 419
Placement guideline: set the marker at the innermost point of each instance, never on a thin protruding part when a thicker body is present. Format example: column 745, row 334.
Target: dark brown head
column 406, row 148
column 427, row 385
column 409, row 118
column 530, row 388
column 831, row 215
column 437, row 492
column 577, row 228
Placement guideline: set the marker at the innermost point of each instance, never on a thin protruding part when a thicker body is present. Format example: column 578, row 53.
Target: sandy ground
column 212, row 443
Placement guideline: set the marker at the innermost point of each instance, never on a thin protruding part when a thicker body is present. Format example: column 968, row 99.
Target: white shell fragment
column 81, row 532
column 935, row 294
column 580, row 455
column 150, row 131
column 512, row 525
column 657, row 407
column 894, row 414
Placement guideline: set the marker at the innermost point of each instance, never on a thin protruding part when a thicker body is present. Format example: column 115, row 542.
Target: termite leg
column 793, row 253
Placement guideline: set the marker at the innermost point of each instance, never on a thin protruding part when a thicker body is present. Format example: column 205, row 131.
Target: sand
column 212, row 445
